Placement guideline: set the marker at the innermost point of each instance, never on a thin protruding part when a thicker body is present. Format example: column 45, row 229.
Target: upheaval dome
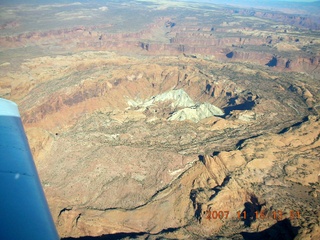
column 180, row 120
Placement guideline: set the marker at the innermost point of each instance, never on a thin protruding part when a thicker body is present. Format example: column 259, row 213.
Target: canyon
column 169, row 120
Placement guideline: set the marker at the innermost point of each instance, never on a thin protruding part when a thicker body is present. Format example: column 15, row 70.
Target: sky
column 299, row 0
column 256, row 2
column 284, row 0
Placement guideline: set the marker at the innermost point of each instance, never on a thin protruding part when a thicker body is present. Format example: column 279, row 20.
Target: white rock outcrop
column 188, row 109
column 197, row 113
column 178, row 97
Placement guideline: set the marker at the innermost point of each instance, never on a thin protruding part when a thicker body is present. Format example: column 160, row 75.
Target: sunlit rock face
column 165, row 121
column 197, row 113
column 184, row 108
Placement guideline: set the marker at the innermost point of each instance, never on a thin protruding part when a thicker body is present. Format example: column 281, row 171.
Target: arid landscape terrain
column 170, row 120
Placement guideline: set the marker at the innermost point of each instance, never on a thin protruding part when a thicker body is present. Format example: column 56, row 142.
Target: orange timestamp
column 276, row 214
column 243, row 215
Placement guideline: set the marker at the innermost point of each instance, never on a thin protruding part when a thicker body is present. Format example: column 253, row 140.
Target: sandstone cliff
column 167, row 121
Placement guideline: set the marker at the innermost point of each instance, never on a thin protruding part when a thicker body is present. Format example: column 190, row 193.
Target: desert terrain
column 169, row 120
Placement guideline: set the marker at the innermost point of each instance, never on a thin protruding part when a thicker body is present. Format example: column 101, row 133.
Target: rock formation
column 182, row 124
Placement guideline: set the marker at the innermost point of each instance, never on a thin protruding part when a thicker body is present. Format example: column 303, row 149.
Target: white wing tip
column 8, row 108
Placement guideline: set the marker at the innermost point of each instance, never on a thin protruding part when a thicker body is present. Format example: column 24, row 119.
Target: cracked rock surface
column 108, row 167
column 174, row 127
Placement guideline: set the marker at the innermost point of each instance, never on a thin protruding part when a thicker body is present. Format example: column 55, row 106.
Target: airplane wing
column 24, row 212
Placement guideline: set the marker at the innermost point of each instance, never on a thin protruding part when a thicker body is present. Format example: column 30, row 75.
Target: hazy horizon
column 213, row 1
